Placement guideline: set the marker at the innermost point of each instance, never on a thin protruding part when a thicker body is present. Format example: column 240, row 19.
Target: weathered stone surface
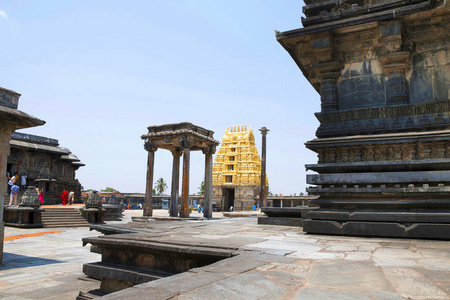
column 412, row 284
column 230, row 288
column 374, row 229
column 381, row 70
column 280, row 221
column 439, row 231
column 314, row 294
column 322, row 227
column 370, row 277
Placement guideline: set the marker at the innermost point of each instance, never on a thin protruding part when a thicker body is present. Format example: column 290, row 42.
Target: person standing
column 10, row 183
column 23, row 182
column 13, row 196
column 71, row 197
column 64, row 197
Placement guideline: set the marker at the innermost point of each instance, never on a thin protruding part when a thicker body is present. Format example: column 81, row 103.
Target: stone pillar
column 328, row 72
column 5, row 137
column 395, row 66
column 148, row 209
column 207, row 211
column 184, row 213
column 263, row 191
column 173, row 210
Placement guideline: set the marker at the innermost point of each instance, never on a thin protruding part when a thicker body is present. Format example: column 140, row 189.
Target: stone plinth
column 130, row 259
column 383, row 144
column 285, row 216
column 112, row 211
column 24, row 217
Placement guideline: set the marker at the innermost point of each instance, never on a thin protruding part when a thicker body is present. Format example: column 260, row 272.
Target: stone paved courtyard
column 274, row 262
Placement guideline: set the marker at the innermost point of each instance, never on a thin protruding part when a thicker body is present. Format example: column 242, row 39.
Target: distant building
column 237, row 170
column 45, row 163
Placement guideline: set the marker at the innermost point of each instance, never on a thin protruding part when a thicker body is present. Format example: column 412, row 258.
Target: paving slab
column 358, row 277
column 412, row 284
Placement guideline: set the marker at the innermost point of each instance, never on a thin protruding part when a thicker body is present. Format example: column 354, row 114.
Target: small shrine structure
column 237, row 170
column 180, row 139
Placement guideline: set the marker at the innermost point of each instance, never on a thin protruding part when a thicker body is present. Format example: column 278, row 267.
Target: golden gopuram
column 237, row 170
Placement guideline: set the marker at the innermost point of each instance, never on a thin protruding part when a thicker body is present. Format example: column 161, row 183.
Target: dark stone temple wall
column 382, row 69
column 46, row 164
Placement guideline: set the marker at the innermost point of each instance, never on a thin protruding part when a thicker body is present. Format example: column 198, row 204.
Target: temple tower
column 237, row 170
column 383, row 145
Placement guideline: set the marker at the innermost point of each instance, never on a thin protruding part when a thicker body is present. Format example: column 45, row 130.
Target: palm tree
column 201, row 188
column 160, row 185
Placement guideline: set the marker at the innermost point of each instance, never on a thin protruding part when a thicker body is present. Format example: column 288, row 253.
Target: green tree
column 109, row 190
column 201, row 188
column 160, row 185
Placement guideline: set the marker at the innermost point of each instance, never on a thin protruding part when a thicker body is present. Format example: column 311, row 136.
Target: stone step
column 63, row 217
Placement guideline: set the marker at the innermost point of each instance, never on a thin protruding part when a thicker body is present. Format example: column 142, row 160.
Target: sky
column 100, row 72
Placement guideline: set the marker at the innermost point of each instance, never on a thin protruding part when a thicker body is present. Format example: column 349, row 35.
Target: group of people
column 16, row 184
column 20, row 181
column 67, row 198
column 13, row 186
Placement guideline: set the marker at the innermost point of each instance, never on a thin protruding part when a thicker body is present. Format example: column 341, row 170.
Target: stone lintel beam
column 172, row 136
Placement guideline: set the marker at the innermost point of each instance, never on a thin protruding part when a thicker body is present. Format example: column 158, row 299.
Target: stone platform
column 286, row 263
column 285, row 216
column 283, row 262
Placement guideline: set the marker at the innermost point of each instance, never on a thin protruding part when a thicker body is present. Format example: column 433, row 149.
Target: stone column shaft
column 5, row 137
column 148, row 209
column 263, row 191
column 173, row 212
column 184, row 213
column 207, row 211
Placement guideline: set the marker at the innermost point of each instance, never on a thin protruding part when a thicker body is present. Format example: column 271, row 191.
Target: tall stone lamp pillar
column 263, row 191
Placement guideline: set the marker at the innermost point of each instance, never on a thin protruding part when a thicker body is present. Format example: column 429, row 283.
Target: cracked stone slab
column 322, row 294
column 360, row 277
column 259, row 287
column 410, row 283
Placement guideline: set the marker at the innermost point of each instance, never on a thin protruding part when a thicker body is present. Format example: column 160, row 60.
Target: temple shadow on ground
column 14, row 261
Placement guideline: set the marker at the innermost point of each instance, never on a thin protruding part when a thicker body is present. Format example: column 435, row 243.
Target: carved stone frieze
column 384, row 152
column 386, row 112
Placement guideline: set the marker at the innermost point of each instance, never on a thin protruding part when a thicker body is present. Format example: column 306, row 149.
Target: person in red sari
column 64, row 197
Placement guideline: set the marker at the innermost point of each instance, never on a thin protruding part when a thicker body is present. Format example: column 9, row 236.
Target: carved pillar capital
column 149, row 146
column 177, row 152
column 209, row 150
column 328, row 73
column 395, row 65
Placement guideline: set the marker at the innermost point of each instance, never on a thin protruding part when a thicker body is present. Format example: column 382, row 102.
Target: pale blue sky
column 100, row 72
